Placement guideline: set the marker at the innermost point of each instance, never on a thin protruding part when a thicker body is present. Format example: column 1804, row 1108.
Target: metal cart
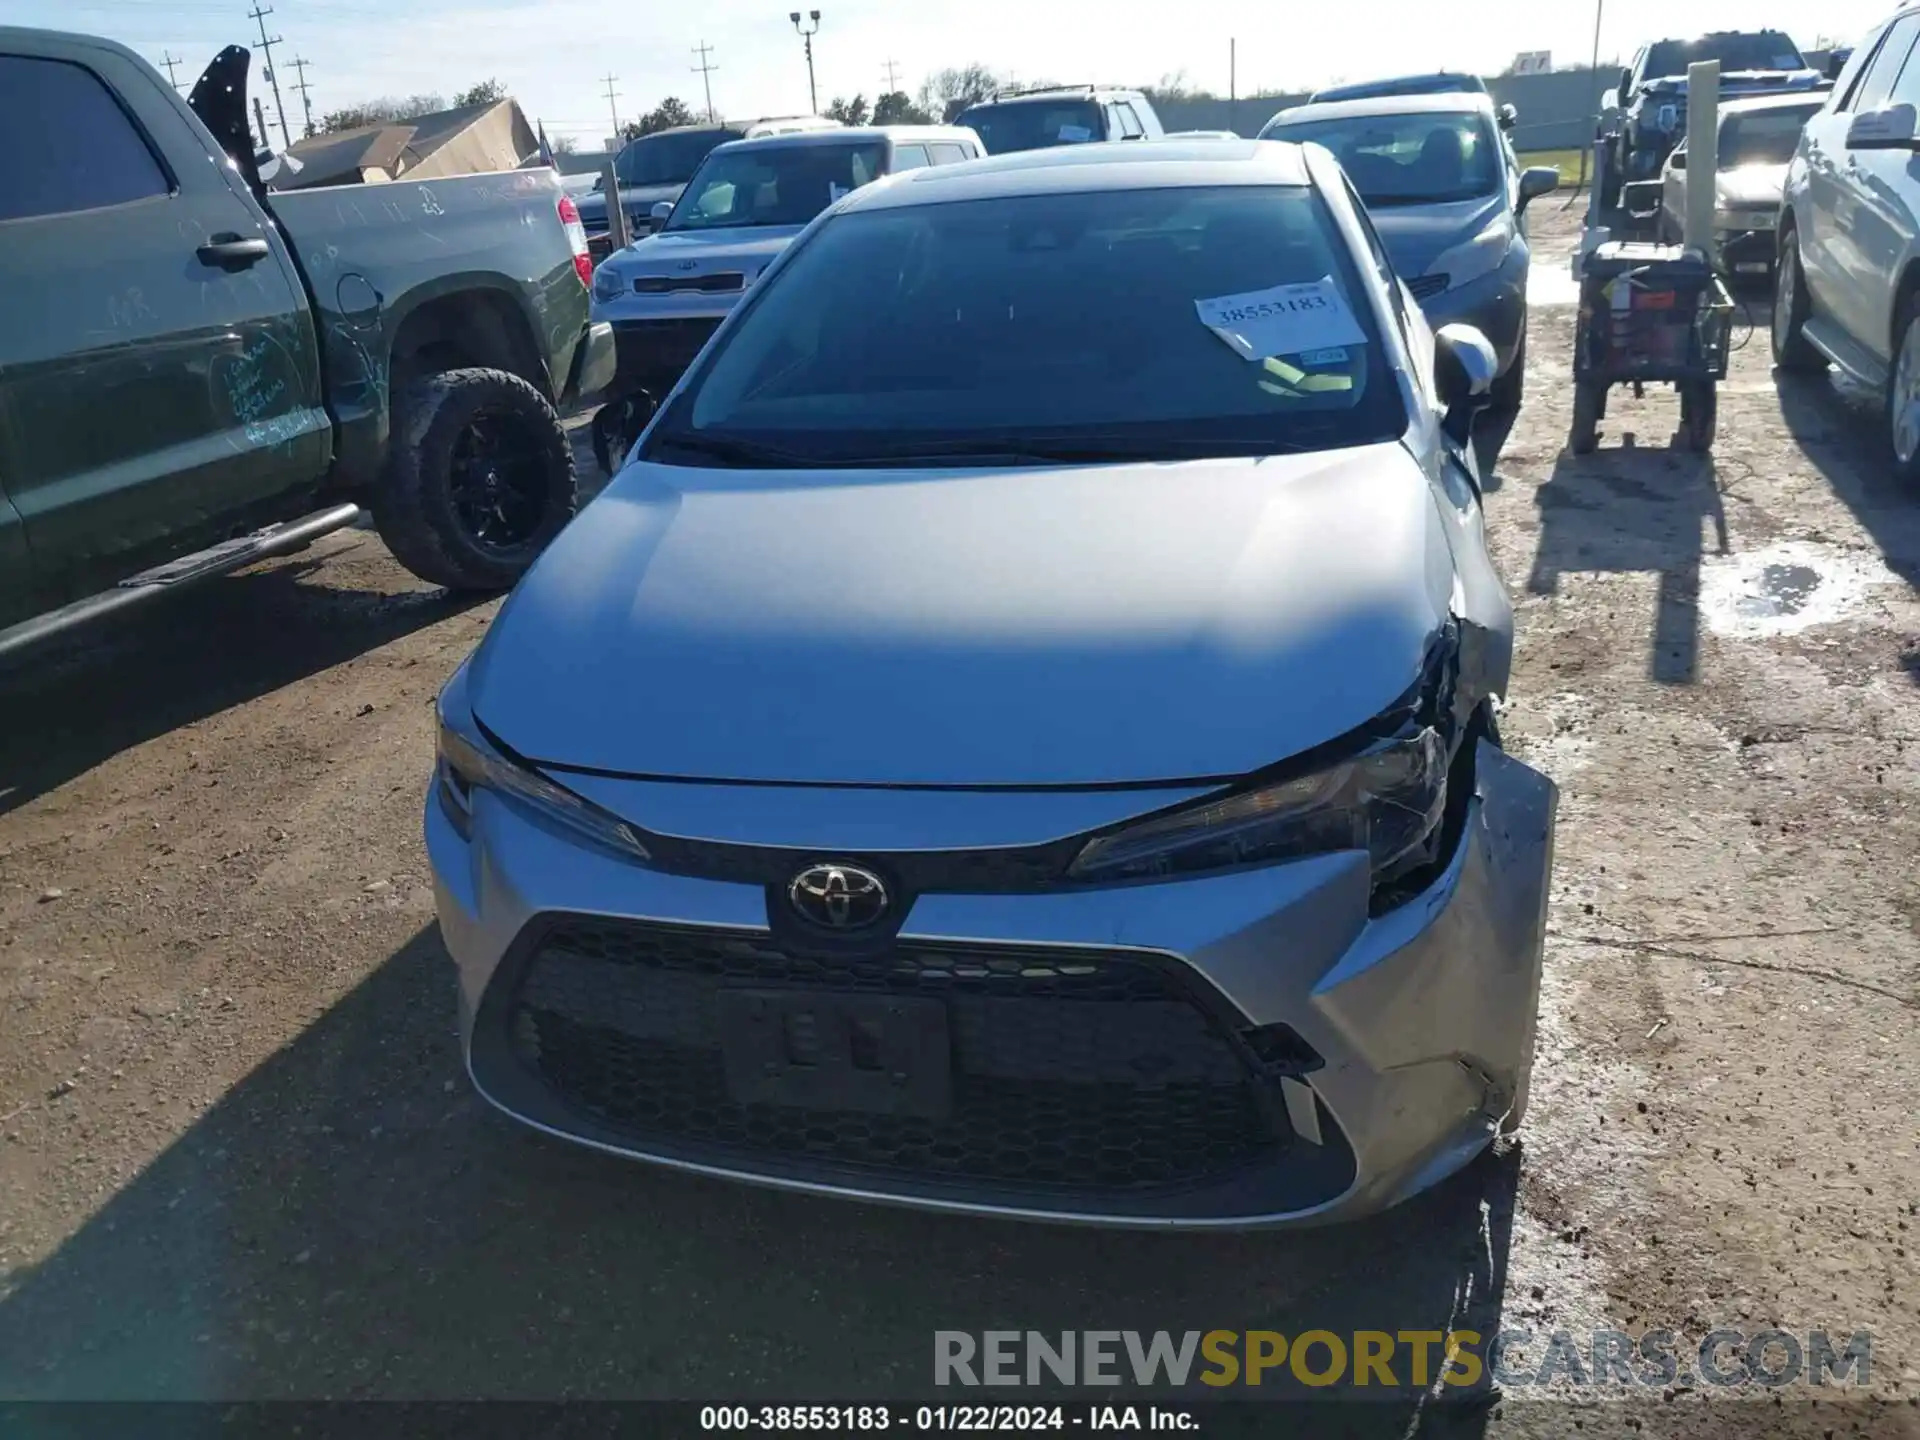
column 1650, row 313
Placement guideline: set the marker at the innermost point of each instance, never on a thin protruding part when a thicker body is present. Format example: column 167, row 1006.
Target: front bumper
column 1748, row 251
column 654, row 354
column 1380, row 1054
column 593, row 366
column 1495, row 304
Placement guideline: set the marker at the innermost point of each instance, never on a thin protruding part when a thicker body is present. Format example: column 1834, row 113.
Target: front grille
column 1071, row 1070
column 653, row 354
column 721, row 282
column 1428, row 286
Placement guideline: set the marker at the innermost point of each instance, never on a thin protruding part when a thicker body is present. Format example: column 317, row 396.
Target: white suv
column 1848, row 286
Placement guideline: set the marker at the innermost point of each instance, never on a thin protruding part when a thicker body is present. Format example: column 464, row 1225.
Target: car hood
column 694, row 252
column 1752, row 185
column 1418, row 235
column 638, row 199
column 1033, row 627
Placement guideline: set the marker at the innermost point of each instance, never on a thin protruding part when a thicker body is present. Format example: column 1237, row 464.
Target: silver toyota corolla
column 1018, row 736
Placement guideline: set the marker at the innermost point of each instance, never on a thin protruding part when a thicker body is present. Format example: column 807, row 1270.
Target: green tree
column 849, row 112
column 487, row 92
column 379, row 111
column 947, row 92
column 896, row 107
column 669, row 113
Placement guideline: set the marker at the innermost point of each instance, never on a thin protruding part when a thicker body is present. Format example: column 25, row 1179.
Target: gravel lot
column 238, row 1156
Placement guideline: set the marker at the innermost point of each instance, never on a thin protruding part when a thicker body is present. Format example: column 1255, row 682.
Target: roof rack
column 1088, row 88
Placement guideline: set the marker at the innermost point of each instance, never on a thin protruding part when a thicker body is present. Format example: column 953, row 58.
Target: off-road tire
column 1908, row 470
column 1792, row 351
column 414, row 508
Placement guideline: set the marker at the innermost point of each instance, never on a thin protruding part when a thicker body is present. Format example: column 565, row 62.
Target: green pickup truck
column 197, row 373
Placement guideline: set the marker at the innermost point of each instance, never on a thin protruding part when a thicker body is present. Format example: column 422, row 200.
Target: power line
column 260, row 13
column 613, row 95
column 306, row 103
column 705, row 70
column 167, row 59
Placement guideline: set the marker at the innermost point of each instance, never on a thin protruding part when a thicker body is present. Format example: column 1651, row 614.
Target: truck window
column 909, row 157
column 1130, row 125
column 69, row 145
column 945, row 153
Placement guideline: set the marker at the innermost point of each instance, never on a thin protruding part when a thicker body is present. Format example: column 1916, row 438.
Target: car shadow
column 79, row 700
column 1839, row 429
column 1632, row 508
column 351, row 1221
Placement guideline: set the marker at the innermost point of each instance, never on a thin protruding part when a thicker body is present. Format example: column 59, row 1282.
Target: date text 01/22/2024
column 1004, row 1419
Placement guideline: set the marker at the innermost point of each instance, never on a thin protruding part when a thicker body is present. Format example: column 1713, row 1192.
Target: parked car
column 1847, row 279
column 1758, row 137
column 1019, row 737
column 654, row 169
column 1444, row 82
column 1202, row 135
column 667, row 293
column 1645, row 115
column 1060, row 115
column 1450, row 204
column 186, row 358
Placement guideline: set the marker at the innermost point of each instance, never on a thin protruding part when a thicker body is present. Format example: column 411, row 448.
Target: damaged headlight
column 468, row 761
column 1389, row 801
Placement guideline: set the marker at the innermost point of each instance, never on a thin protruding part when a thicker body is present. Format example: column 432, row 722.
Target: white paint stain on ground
column 1785, row 589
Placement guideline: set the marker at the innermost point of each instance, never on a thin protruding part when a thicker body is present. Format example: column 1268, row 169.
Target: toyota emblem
column 838, row 897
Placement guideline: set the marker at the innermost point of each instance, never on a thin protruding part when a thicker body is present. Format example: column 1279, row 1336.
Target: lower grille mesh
column 1071, row 1070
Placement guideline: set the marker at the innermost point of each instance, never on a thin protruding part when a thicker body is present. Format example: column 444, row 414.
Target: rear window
column 1426, row 158
column 1764, row 50
column 1034, row 124
column 774, row 185
column 1766, row 137
column 1087, row 318
column 668, row 159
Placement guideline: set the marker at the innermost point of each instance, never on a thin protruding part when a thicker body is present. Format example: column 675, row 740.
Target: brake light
column 577, row 238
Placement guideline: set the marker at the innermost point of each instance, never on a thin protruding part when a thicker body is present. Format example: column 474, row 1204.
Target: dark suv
column 1060, row 115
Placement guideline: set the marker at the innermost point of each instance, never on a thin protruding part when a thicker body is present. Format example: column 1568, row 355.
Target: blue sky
column 552, row 53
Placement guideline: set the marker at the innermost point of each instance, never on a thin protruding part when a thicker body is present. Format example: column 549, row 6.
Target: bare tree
column 947, row 92
column 379, row 111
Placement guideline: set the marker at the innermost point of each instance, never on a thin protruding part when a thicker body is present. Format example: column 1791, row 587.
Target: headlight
column 609, row 283
column 1388, row 802
column 1745, row 217
column 467, row 762
column 1476, row 258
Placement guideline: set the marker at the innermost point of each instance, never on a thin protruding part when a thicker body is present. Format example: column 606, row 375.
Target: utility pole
column 167, row 59
column 260, row 114
column 705, row 70
column 612, row 109
column 305, row 102
column 807, row 34
column 260, row 13
column 893, row 78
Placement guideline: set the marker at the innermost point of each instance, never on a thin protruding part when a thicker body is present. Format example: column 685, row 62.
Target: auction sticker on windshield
column 1286, row 320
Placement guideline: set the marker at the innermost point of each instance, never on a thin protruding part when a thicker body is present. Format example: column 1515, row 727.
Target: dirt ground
column 239, row 1158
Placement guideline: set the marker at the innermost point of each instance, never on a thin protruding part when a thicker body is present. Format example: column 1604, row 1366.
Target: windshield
column 1418, row 159
column 773, row 185
column 1766, row 137
column 1765, row 50
column 668, row 159
column 1049, row 327
column 1034, row 124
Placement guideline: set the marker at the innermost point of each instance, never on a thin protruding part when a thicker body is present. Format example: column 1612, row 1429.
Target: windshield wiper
column 735, row 452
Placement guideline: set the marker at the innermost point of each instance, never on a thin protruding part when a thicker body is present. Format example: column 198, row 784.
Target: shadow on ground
column 80, row 701
column 1841, row 431
column 349, row 1221
column 1629, row 508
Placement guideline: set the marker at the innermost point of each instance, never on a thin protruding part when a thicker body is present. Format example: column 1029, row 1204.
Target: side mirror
column 1888, row 129
column 1537, row 180
column 1677, row 160
column 661, row 210
column 1837, row 62
column 1626, row 84
column 1509, row 117
column 1464, row 369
